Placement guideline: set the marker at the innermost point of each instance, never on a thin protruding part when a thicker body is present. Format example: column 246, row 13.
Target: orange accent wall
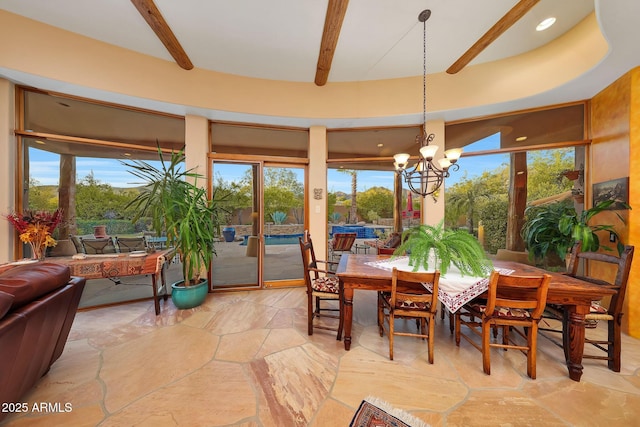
column 615, row 133
column 632, row 306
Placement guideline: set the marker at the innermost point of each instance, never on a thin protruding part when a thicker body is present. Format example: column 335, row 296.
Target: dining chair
column 619, row 268
column 130, row 244
column 98, row 246
column 341, row 243
column 506, row 313
column 409, row 302
column 323, row 289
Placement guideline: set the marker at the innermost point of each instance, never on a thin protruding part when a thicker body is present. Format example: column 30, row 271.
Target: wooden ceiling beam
column 510, row 18
column 153, row 17
column 336, row 9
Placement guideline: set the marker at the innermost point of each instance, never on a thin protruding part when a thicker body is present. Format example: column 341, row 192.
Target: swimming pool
column 362, row 232
column 276, row 239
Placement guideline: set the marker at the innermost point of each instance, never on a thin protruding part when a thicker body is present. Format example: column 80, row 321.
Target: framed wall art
column 616, row 189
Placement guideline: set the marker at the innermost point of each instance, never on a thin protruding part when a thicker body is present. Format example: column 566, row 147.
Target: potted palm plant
column 177, row 206
column 434, row 247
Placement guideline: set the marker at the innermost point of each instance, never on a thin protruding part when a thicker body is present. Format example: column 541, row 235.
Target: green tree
column 282, row 192
column 544, row 168
column 377, row 199
column 353, row 209
column 237, row 196
column 42, row 198
column 95, row 200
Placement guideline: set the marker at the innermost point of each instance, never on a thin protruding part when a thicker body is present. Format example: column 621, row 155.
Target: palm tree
column 465, row 197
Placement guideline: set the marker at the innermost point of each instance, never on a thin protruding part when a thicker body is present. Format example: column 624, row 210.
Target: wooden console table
column 122, row 264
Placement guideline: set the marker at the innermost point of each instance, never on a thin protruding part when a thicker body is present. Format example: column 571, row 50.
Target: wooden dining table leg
column 573, row 338
column 347, row 295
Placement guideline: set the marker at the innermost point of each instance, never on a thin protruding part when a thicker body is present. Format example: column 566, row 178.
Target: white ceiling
column 380, row 39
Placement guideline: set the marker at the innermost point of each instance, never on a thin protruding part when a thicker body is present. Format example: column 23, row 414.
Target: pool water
column 277, row 239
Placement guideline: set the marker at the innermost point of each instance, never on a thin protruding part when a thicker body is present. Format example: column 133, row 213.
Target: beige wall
column 7, row 168
column 317, row 174
column 51, row 53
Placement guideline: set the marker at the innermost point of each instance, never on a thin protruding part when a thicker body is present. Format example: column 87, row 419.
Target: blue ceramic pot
column 185, row 297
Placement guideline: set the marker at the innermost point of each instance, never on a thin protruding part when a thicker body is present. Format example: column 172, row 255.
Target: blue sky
column 45, row 169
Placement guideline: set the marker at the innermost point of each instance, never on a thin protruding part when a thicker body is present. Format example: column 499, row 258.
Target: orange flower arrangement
column 36, row 228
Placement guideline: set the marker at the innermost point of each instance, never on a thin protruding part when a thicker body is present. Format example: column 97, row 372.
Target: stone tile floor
column 244, row 359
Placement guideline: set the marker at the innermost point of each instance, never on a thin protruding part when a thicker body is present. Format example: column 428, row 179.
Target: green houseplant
column 437, row 248
column 554, row 228
column 180, row 208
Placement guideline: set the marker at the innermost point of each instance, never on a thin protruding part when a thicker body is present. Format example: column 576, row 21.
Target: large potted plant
column 435, row 247
column 179, row 207
column 554, row 228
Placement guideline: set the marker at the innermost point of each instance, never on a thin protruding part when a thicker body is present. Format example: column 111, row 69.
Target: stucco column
column 318, row 214
column 7, row 167
column 197, row 145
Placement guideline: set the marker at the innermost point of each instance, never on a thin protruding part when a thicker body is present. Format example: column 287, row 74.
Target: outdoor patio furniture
column 341, row 243
column 130, row 244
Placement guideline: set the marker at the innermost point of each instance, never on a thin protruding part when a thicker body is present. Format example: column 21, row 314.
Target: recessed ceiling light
column 521, row 138
column 380, row 145
column 545, row 23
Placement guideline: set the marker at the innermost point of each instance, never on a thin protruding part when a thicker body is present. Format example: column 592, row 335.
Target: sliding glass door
column 237, row 262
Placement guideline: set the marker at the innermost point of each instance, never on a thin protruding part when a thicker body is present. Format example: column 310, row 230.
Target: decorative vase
column 100, row 231
column 185, row 297
column 38, row 251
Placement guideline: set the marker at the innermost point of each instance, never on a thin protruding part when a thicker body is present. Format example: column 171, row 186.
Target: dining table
column 372, row 272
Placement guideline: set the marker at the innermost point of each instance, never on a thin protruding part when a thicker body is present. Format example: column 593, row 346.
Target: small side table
column 363, row 248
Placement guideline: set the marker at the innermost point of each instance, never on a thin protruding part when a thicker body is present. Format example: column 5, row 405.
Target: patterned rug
column 374, row 412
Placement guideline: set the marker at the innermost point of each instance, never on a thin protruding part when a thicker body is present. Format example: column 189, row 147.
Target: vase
column 185, row 297
column 100, row 231
column 37, row 251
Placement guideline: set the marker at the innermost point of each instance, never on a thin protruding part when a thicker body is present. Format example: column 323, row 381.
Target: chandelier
column 426, row 177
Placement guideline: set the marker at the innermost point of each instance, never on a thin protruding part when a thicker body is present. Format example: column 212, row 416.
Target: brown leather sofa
column 38, row 304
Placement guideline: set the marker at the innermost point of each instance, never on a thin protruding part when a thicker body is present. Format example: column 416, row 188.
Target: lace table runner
column 454, row 289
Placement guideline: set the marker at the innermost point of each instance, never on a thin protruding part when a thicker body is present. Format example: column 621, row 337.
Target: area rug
column 374, row 412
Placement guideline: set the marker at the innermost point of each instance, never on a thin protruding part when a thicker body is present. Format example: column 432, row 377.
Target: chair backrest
column 343, row 241
column 622, row 265
column 130, row 244
column 308, row 259
column 393, row 241
column 398, row 277
column 98, row 246
column 532, row 291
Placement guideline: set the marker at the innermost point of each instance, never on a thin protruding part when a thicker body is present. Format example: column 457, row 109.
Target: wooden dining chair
column 507, row 313
column 619, row 268
column 322, row 287
column 409, row 302
column 341, row 243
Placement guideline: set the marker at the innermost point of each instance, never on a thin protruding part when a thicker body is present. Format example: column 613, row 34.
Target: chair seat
column 407, row 304
column 329, row 284
column 501, row 312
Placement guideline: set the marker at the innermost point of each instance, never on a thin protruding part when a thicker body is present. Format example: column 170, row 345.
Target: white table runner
column 454, row 289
